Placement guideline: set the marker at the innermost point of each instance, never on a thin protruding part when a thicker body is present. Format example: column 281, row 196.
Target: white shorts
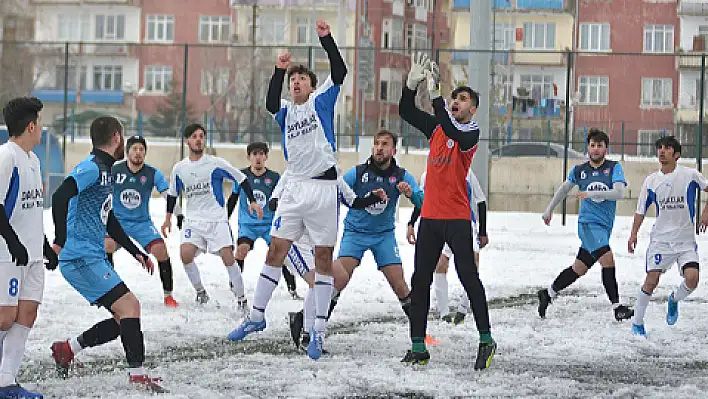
column 662, row 256
column 23, row 283
column 308, row 206
column 209, row 237
column 300, row 259
column 447, row 251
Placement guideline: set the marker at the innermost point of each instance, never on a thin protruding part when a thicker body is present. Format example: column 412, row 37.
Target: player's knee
column 341, row 277
column 160, row 252
column 127, row 306
column 277, row 251
column 650, row 282
column 242, row 251
column 27, row 315
column 8, row 315
column 691, row 276
column 443, row 264
column 580, row 268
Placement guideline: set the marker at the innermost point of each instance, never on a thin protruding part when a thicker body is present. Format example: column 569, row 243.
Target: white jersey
column 308, row 132
column 22, row 195
column 474, row 190
column 674, row 196
column 202, row 183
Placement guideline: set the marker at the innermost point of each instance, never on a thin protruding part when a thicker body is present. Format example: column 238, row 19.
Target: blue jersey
column 131, row 191
column 602, row 178
column 381, row 216
column 88, row 210
column 262, row 186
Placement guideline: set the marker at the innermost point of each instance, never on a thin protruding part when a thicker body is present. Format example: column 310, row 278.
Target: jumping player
column 601, row 184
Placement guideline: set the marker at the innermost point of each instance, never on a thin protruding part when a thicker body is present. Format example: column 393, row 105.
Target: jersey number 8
column 14, row 287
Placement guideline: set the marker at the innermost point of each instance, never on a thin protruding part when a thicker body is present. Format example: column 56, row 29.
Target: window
column 110, row 27
column 657, row 92
column 392, row 34
column 305, row 30
column 269, row 30
column 416, row 36
column 595, row 37
column 503, row 88
column 659, row 38
column 594, row 89
column 390, row 85
column 646, row 140
column 158, row 79
column 696, row 100
column 504, row 36
column 391, row 123
column 540, row 86
column 214, row 29
column 215, row 81
column 160, row 28
column 74, row 28
column 541, row 36
column 77, row 77
column 107, row 77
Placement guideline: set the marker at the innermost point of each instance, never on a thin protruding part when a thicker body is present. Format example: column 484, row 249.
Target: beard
column 597, row 159
column 197, row 151
column 382, row 162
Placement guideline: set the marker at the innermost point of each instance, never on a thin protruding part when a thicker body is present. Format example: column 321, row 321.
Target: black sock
column 241, row 263
column 102, row 332
column 406, row 305
column 109, row 256
column 133, row 342
column 289, row 279
column 166, row 274
column 332, row 304
column 610, row 282
column 564, row 279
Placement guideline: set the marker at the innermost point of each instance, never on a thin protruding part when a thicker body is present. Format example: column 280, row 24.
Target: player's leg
column 442, row 299
column 659, row 258
column 264, row 233
column 463, row 307
column 244, row 244
column 689, row 269
column 606, row 259
column 164, row 264
column 11, row 279
column 458, row 234
column 388, row 259
column 192, row 241
column 235, row 279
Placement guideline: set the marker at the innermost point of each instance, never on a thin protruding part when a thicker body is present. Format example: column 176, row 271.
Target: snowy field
column 578, row 351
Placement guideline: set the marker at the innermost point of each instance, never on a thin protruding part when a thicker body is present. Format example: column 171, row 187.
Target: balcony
column 546, row 108
column 692, row 7
column 540, row 4
column 692, row 60
column 111, row 49
column 464, row 5
column 499, row 57
column 539, row 58
column 85, row 96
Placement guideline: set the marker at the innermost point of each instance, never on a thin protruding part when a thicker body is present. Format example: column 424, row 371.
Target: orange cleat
column 145, row 382
column 431, row 341
column 170, row 302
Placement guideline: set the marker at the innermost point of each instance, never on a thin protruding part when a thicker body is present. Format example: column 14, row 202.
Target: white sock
column 2, row 338
column 12, row 352
column 267, row 281
column 551, row 292
column 640, row 308
column 682, row 292
column 309, row 310
column 137, row 371
column 442, row 301
column 236, row 280
column 75, row 346
column 464, row 306
column 323, row 295
column 194, row 277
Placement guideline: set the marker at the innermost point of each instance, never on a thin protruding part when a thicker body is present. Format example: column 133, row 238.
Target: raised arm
column 338, row 69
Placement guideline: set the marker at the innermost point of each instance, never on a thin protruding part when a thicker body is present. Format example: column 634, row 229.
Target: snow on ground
column 578, row 351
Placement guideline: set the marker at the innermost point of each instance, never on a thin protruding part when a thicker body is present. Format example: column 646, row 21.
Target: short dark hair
column 135, row 140
column 19, row 112
column 257, row 146
column 598, row 135
column 303, row 70
column 466, row 89
column 668, row 141
column 102, row 130
column 388, row 133
column 190, row 129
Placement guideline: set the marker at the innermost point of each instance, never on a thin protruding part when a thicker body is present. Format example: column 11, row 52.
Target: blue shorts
column 254, row 232
column 144, row 233
column 593, row 236
column 92, row 278
column 383, row 246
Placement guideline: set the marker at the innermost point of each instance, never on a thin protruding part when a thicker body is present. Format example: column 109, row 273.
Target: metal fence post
column 568, row 71
column 699, row 155
column 184, row 100
column 623, row 140
column 66, row 101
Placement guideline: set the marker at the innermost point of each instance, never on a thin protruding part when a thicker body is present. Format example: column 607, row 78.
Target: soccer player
column 310, row 200
column 601, row 183
column 673, row 191
column 262, row 181
column 133, row 181
column 445, row 214
column 200, row 178
column 23, row 246
column 82, row 215
column 479, row 239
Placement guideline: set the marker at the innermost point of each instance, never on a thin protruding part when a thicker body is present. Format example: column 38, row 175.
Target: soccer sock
column 564, row 279
column 682, row 292
column 241, row 263
column 406, row 304
column 2, row 339
column 333, row 302
column 418, row 345
column 323, row 295
column 109, row 256
column 236, row 281
column 194, row 277
column 289, row 279
column 102, row 332
column 309, row 310
column 165, row 267
column 267, row 281
column 610, row 282
column 132, row 338
column 441, row 298
column 12, row 353
column 464, row 306
column 640, row 308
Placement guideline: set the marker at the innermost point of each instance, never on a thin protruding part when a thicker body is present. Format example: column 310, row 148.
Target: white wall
column 47, row 28
column 689, row 28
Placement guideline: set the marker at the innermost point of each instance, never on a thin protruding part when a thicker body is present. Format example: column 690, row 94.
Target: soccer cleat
column 485, row 354
column 447, row 318
column 247, row 327
column 294, row 295
column 416, row 358
column 638, row 329
column 15, row 391
column 150, row 384
column 296, row 321
column 305, row 342
column 623, row 313
column 459, row 318
column 242, row 308
column 170, row 302
column 316, row 346
column 430, row 341
column 63, row 356
column 202, row 297
column 672, row 311
column 544, row 299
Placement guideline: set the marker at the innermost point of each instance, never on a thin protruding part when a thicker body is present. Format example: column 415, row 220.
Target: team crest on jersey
column 392, row 179
column 606, row 172
column 143, row 179
column 268, row 181
column 450, row 143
